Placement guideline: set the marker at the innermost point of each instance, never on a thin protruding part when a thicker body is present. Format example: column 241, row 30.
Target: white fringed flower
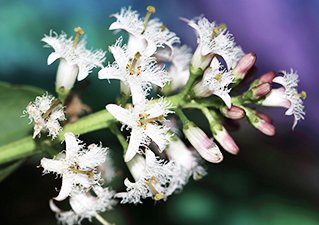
column 46, row 111
column 136, row 71
column 85, row 206
column 151, row 177
column 213, row 39
column 77, row 167
column 75, row 59
column 144, row 36
column 287, row 96
column 215, row 81
column 144, row 120
column 186, row 164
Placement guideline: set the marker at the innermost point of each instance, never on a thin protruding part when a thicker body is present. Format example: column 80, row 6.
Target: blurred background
column 273, row 180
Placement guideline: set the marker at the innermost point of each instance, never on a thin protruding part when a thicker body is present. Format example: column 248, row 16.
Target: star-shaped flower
column 144, row 36
column 46, row 111
column 144, row 120
column 151, row 177
column 138, row 72
column 287, row 96
column 85, row 206
column 77, row 166
column 75, row 59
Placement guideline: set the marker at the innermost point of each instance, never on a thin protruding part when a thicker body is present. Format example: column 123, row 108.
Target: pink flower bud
column 234, row 112
column 261, row 90
column 265, row 127
column 265, row 117
column 244, row 64
column 226, row 141
column 204, row 145
column 267, row 77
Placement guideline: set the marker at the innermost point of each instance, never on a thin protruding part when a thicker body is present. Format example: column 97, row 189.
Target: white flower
column 75, row 61
column 179, row 68
column 215, row 81
column 187, row 164
column 144, row 36
column 138, row 72
column 46, row 112
column 287, row 96
column 204, row 145
column 85, row 206
column 213, row 39
column 77, row 167
column 151, row 177
column 143, row 120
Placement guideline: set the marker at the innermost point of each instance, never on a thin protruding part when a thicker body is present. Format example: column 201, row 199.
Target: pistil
column 150, row 10
column 90, row 173
column 158, row 195
column 78, row 31
column 131, row 67
column 55, row 103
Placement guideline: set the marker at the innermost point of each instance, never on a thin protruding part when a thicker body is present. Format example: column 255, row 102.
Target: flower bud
column 234, row 112
column 267, row 77
column 260, row 91
column 204, row 145
column 226, row 141
column 244, row 64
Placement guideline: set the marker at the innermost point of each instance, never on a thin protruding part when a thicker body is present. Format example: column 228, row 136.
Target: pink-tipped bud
column 265, row 117
column 267, row 77
column 204, row 145
column 265, row 127
column 244, row 64
column 234, row 112
column 226, row 141
column 260, row 91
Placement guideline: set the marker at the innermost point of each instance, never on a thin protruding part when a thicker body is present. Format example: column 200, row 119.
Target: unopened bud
column 244, row 64
column 267, row 77
column 226, row 141
column 264, row 126
column 234, row 112
column 260, row 91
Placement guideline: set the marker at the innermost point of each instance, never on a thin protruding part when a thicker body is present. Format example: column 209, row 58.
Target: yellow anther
column 150, row 10
column 158, row 195
column 78, row 31
column 303, row 95
column 146, row 115
column 218, row 77
column 139, row 123
column 140, row 115
column 216, row 30
column 222, row 26
column 145, row 127
column 163, row 27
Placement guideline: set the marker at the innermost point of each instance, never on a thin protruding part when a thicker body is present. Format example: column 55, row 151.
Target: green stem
column 27, row 146
column 115, row 130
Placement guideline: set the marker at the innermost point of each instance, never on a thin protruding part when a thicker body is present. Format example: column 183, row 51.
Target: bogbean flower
column 143, row 119
column 287, row 96
column 46, row 112
column 213, row 39
column 136, row 71
column 151, row 175
column 186, row 165
column 144, row 36
column 204, row 145
column 85, row 206
column 215, row 81
column 77, row 166
column 75, row 59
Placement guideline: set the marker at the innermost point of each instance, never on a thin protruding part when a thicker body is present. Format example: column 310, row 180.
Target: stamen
column 163, row 27
column 158, row 195
column 131, row 67
column 160, row 118
column 78, row 31
column 55, row 103
column 218, row 77
column 222, row 26
column 217, row 30
column 90, row 173
column 150, row 10
column 302, row 95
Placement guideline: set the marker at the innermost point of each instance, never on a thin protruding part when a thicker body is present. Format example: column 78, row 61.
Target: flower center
column 217, row 30
column 132, row 66
column 218, row 77
column 150, row 10
column 55, row 103
column 76, row 169
column 144, row 120
column 158, row 195
column 78, row 31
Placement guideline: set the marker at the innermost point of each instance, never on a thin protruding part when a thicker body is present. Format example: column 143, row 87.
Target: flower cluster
column 78, row 168
column 159, row 80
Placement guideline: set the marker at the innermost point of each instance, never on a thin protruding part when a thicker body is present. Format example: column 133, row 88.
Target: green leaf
column 14, row 100
column 6, row 170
